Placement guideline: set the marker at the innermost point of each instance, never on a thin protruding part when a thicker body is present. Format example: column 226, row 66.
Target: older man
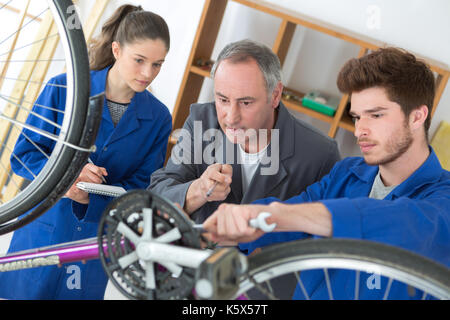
column 245, row 145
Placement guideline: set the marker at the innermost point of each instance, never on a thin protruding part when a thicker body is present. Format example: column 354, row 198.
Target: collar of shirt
column 429, row 172
column 252, row 158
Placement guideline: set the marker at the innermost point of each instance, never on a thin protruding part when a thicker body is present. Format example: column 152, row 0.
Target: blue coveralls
column 130, row 152
column 414, row 216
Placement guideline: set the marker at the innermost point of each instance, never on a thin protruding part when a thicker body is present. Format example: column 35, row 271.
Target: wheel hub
column 144, row 251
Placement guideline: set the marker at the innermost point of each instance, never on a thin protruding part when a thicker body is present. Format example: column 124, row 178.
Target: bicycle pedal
column 218, row 276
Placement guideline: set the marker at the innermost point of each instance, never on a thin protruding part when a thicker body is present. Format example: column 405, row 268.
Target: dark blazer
column 304, row 156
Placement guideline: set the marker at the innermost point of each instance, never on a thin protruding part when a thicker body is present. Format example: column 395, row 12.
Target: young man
column 397, row 193
column 245, row 145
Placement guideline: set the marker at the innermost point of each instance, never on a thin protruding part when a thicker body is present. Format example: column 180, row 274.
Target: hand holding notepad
column 102, row 189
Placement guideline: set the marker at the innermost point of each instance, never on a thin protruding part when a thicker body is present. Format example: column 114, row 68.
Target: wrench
column 257, row 223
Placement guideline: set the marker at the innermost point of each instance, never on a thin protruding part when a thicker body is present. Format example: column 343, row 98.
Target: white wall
column 314, row 59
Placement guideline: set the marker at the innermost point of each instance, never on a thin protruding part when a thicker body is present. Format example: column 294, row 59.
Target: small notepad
column 102, row 189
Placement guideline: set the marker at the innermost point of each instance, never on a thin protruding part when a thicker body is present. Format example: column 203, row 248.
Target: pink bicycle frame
column 59, row 254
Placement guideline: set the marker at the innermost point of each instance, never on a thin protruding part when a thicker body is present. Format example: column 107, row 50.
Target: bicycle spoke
column 9, row 175
column 128, row 233
column 30, row 44
column 269, row 286
column 45, row 107
column 300, row 282
column 31, row 20
column 392, row 264
column 34, row 60
column 125, row 261
column 6, row 4
column 327, row 279
column 388, row 289
column 46, row 134
column 20, row 161
column 35, row 82
column 357, row 285
column 147, row 214
column 34, row 104
column 33, row 51
column 261, row 288
column 33, row 143
column 32, row 112
column 169, row 236
column 30, row 127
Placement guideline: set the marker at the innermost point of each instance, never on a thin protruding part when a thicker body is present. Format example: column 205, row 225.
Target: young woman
column 131, row 144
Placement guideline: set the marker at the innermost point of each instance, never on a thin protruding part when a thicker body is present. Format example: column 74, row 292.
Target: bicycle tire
column 359, row 255
column 47, row 187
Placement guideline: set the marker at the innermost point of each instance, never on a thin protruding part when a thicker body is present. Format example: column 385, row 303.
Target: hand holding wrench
column 257, row 223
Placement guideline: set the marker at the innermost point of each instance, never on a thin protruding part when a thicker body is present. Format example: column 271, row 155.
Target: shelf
column 204, row 72
column 297, row 106
column 309, row 112
column 347, row 123
column 312, row 23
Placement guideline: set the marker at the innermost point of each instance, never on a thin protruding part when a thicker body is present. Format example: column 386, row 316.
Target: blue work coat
column 414, row 216
column 130, row 152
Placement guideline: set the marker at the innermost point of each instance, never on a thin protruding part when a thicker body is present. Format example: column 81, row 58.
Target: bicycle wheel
column 60, row 135
column 343, row 269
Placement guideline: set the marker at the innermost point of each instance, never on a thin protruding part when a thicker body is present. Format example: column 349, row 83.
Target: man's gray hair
column 268, row 62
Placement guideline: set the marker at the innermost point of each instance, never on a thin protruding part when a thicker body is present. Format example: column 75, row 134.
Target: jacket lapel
column 236, row 183
column 428, row 172
column 265, row 179
column 230, row 156
column 127, row 124
column 139, row 108
column 98, row 84
column 261, row 185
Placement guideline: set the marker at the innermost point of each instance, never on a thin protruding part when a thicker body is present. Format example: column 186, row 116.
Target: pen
column 103, row 178
column 211, row 189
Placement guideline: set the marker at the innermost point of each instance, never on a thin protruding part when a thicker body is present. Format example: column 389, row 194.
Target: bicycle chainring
column 119, row 259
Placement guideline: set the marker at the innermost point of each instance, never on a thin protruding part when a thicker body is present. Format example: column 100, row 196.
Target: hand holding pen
column 213, row 185
column 89, row 173
column 220, row 175
column 99, row 171
column 211, row 190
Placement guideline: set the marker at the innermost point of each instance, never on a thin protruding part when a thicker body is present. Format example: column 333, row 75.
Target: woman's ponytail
column 100, row 52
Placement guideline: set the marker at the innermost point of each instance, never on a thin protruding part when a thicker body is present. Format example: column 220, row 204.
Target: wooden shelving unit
column 206, row 35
